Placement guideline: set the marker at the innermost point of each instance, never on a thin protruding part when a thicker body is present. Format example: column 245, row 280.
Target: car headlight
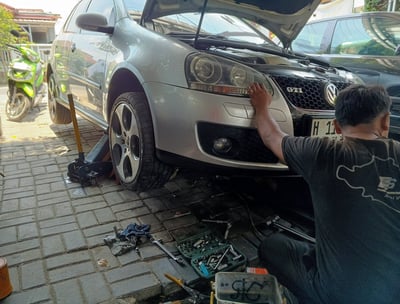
column 221, row 76
column 351, row 77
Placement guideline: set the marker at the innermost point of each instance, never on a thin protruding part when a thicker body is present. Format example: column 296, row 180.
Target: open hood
column 285, row 18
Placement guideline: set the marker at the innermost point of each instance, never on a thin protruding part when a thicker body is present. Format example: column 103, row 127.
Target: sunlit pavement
column 52, row 230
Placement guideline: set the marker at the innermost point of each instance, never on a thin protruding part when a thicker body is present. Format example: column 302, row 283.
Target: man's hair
column 359, row 104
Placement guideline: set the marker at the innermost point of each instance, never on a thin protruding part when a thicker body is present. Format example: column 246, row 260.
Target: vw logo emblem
column 331, row 92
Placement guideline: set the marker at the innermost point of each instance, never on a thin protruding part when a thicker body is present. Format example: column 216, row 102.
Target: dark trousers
column 293, row 264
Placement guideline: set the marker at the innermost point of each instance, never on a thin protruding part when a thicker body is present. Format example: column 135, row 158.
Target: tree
column 379, row 5
column 6, row 25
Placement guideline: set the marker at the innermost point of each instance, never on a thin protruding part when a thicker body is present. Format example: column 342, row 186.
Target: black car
column 367, row 44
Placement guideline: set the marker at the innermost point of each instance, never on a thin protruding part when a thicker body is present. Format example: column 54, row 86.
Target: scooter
column 26, row 87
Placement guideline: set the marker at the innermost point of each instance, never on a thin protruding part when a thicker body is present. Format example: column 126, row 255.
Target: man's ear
column 385, row 122
column 338, row 129
column 385, row 125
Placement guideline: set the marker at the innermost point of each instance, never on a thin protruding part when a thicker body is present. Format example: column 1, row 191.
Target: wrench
column 169, row 253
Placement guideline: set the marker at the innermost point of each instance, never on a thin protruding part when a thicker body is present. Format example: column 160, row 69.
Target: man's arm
column 270, row 132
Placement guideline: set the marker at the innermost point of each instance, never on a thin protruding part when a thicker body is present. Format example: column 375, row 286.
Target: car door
column 88, row 63
column 62, row 49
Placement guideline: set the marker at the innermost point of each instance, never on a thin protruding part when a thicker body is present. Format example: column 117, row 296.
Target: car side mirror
column 397, row 51
column 94, row 22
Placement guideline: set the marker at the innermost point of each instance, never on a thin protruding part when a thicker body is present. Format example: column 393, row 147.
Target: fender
column 26, row 87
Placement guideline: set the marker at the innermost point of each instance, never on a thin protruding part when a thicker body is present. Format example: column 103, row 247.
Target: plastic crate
column 242, row 287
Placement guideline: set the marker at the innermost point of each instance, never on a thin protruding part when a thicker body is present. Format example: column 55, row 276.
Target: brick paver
column 52, row 230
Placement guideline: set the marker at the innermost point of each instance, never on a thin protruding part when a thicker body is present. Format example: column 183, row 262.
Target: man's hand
column 260, row 97
column 269, row 130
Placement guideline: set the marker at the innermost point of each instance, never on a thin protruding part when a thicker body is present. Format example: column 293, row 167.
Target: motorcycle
column 26, row 87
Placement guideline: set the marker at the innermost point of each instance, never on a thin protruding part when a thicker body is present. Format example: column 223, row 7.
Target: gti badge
column 331, row 91
column 294, row 90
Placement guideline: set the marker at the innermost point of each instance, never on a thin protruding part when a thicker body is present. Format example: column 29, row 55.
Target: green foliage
column 6, row 25
column 379, row 5
column 375, row 5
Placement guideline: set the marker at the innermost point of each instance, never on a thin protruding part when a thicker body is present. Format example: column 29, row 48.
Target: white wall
column 336, row 8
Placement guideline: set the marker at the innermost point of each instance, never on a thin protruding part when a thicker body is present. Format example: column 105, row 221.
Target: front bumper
column 186, row 123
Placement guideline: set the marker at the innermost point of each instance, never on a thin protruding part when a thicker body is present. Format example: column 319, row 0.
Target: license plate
column 323, row 127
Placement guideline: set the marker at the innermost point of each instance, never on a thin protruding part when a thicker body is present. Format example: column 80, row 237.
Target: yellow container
column 5, row 284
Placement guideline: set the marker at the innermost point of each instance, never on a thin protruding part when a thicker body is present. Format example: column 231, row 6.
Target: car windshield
column 219, row 25
column 213, row 25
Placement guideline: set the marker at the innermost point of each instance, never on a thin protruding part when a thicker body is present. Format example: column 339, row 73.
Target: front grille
column 312, row 92
column 247, row 144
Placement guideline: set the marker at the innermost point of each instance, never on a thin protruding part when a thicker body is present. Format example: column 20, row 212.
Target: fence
column 7, row 55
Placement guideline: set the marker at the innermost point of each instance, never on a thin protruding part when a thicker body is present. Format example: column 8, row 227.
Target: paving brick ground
column 52, row 230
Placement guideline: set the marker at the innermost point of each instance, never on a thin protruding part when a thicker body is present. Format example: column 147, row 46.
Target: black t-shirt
column 355, row 188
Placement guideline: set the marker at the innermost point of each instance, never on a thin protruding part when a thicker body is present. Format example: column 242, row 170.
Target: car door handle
column 73, row 47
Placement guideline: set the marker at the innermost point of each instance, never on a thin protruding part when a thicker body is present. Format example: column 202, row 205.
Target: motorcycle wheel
column 17, row 107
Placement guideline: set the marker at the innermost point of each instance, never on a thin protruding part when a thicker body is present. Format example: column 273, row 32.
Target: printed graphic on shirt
column 372, row 180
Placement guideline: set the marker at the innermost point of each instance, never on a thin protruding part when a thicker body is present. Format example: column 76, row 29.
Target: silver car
column 168, row 79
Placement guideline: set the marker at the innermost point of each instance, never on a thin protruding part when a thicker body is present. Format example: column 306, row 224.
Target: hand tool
column 169, row 253
column 228, row 225
column 197, row 296
column 274, row 221
column 222, row 257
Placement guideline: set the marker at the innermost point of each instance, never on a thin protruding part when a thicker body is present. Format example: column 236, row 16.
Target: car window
column 310, row 38
column 70, row 25
column 135, row 8
column 105, row 8
column 218, row 26
column 366, row 36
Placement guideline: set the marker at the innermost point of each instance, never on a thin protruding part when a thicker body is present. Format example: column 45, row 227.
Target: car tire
column 58, row 113
column 132, row 146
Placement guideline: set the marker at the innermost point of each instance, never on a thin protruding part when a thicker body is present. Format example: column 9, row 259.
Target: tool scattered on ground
column 82, row 170
column 228, row 225
column 277, row 222
column 209, row 254
column 128, row 239
column 196, row 296
column 169, row 253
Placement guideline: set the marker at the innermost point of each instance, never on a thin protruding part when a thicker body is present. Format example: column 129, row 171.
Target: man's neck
column 363, row 132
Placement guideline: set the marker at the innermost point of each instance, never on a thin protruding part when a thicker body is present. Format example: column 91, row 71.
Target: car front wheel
column 132, row 146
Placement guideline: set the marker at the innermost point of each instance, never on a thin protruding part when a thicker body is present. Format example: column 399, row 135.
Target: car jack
column 85, row 171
